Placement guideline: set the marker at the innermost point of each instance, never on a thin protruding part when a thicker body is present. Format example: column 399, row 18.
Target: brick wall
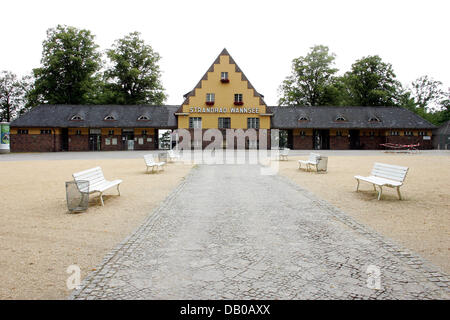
column 147, row 145
column 371, row 142
column 339, row 142
column 112, row 147
column 302, row 142
column 35, row 142
column 79, row 142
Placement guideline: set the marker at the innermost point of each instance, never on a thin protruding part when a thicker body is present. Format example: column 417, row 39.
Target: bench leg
column 118, row 190
column 357, row 187
column 101, row 198
column 380, row 192
column 374, row 189
column 399, row 195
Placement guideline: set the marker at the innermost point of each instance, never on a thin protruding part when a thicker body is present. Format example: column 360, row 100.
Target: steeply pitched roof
column 323, row 117
column 443, row 129
column 94, row 116
column 211, row 69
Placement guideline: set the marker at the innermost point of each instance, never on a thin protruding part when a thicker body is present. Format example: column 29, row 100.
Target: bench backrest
column 149, row 160
column 314, row 157
column 93, row 175
column 389, row 171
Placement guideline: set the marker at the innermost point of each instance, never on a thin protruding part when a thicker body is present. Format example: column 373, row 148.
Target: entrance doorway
column 95, row 139
column 64, row 139
column 354, row 139
column 321, row 139
column 128, row 139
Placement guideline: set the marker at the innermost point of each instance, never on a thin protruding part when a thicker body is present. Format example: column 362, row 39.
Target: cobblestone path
column 228, row 232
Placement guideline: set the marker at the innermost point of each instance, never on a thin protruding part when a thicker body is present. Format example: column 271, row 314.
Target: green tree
column 427, row 93
column 70, row 61
column 134, row 74
column 372, row 82
column 12, row 95
column 312, row 80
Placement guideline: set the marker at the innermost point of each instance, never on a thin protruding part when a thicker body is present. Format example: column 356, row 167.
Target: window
column 303, row 118
column 78, row 132
column 338, row 133
column 303, row 133
column 46, row 131
column 210, row 97
column 111, row 132
column 340, row 118
column 408, row 133
column 374, row 119
column 238, row 99
column 224, row 123
column 195, row 123
column 22, row 131
column 224, row 77
column 143, row 118
column 395, row 133
column 252, row 123
column 422, row 133
column 109, row 118
column 76, row 118
column 372, row 133
column 144, row 132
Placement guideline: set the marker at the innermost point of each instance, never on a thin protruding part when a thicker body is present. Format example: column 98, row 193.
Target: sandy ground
column 40, row 239
column 421, row 221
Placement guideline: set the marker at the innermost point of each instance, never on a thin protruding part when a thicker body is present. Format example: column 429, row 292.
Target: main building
column 223, row 99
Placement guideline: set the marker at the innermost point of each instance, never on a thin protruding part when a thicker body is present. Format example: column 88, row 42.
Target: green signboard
column 4, row 133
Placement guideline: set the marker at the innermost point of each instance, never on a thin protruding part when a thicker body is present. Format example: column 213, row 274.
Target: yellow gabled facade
column 195, row 104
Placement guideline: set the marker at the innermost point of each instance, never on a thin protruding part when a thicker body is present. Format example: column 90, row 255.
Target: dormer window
column 143, row 118
column 76, row 118
column 224, row 77
column 303, row 118
column 374, row 119
column 110, row 118
column 210, row 97
column 340, row 119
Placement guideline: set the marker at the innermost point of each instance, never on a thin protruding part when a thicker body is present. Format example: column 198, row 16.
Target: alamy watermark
column 74, row 280
column 229, row 146
column 373, row 277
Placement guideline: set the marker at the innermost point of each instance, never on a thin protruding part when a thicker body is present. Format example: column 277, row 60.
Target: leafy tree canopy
column 69, row 61
column 134, row 74
column 12, row 95
column 372, row 82
column 311, row 81
column 427, row 93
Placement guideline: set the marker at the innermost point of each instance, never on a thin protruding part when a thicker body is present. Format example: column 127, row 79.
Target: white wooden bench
column 97, row 182
column 172, row 155
column 284, row 154
column 313, row 160
column 385, row 175
column 151, row 163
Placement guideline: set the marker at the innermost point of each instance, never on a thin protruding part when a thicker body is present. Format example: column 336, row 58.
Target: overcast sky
column 262, row 36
